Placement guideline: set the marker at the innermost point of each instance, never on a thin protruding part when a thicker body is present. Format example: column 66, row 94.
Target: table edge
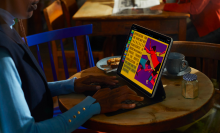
column 164, row 125
column 179, row 121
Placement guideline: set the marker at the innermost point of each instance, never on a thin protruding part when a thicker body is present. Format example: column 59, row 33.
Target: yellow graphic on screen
column 134, row 55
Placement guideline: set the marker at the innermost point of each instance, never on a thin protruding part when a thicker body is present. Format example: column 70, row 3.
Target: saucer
column 102, row 64
column 165, row 73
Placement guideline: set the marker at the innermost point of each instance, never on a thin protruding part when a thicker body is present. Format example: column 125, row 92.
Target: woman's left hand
column 158, row 7
column 84, row 84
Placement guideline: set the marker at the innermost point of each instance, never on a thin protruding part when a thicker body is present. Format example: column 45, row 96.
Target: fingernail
column 142, row 98
column 113, row 76
column 132, row 105
column 98, row 87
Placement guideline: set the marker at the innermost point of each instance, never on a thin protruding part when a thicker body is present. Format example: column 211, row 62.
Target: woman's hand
column 110, row 100
column 84, row 84
column 158, row 7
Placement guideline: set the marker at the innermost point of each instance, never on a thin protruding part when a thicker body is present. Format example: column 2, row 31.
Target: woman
column 26, row 97
column 205, row 18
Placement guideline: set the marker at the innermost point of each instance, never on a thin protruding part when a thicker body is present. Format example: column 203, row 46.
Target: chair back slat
column 210, row 68
column 204, row 66
column 59, row 34
column 52, row 62
column 215, row 69
column 207, row 67
column 91, row 61
column 39, row 57
column 207, row 55
column 76, row 55
column 197, row 49
column 198, row 63
column 64, row 60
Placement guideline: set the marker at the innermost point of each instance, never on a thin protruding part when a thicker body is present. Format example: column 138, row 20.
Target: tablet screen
column 143, row 58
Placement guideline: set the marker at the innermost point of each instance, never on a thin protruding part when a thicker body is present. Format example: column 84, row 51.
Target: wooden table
column 175, row 111
column 99, row 13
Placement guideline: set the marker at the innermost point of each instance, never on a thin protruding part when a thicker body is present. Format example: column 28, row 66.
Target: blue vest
column 34, row 83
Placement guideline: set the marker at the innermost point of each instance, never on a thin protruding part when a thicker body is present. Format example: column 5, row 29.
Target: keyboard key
column 124, row 102
column 138, row 104
column 129, row 102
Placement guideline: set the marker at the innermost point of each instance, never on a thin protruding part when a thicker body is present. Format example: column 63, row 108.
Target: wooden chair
column 69, row 8
column 60, row 34
column 207, row 55
column 47, row 37
column 57, row 19
column 35, row 40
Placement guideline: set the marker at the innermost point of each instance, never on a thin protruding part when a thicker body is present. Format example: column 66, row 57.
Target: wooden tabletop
column 99, row 13
column 102, row 9
column 173, row 112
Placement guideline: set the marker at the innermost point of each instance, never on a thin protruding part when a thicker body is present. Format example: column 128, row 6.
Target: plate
column 165, row 73
column 102, row 64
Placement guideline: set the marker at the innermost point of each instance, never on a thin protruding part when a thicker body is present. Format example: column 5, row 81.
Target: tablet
column 143, row 59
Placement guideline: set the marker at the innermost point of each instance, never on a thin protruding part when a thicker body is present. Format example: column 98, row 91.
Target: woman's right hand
column 158, row 7
column 111, row 100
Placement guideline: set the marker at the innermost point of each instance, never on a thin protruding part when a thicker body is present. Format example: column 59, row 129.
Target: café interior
column 177, row 113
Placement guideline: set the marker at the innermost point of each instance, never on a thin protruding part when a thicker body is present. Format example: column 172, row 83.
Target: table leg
column 81, row 48
column 182, row 29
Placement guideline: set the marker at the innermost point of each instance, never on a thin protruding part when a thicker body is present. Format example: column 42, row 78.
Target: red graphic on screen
column 149, row 74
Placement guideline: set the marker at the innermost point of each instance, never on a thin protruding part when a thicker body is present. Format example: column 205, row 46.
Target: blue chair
column 60, row 34
column 35, row 40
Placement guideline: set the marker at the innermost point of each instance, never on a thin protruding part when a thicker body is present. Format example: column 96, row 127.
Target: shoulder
column 7, row 65
column 3, row 35
column 5, row 56
column 5, row 39
column 6, row 60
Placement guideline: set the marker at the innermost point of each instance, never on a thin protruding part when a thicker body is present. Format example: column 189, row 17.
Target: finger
column 104, row 91
column 90, row 87
column 152, row 8
column 112, row 77
column 111, row 80
column 124, row 90
column 101, row 94
column 127, row 106
column 129, row 97
column 123, row 106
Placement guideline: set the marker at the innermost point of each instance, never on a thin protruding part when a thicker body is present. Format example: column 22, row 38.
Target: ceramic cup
column 176, row 63
column 172, row 1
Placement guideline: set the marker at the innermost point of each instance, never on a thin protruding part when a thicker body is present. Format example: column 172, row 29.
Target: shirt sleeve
column 193, row 7
column 15, row 115
column 61, row 87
